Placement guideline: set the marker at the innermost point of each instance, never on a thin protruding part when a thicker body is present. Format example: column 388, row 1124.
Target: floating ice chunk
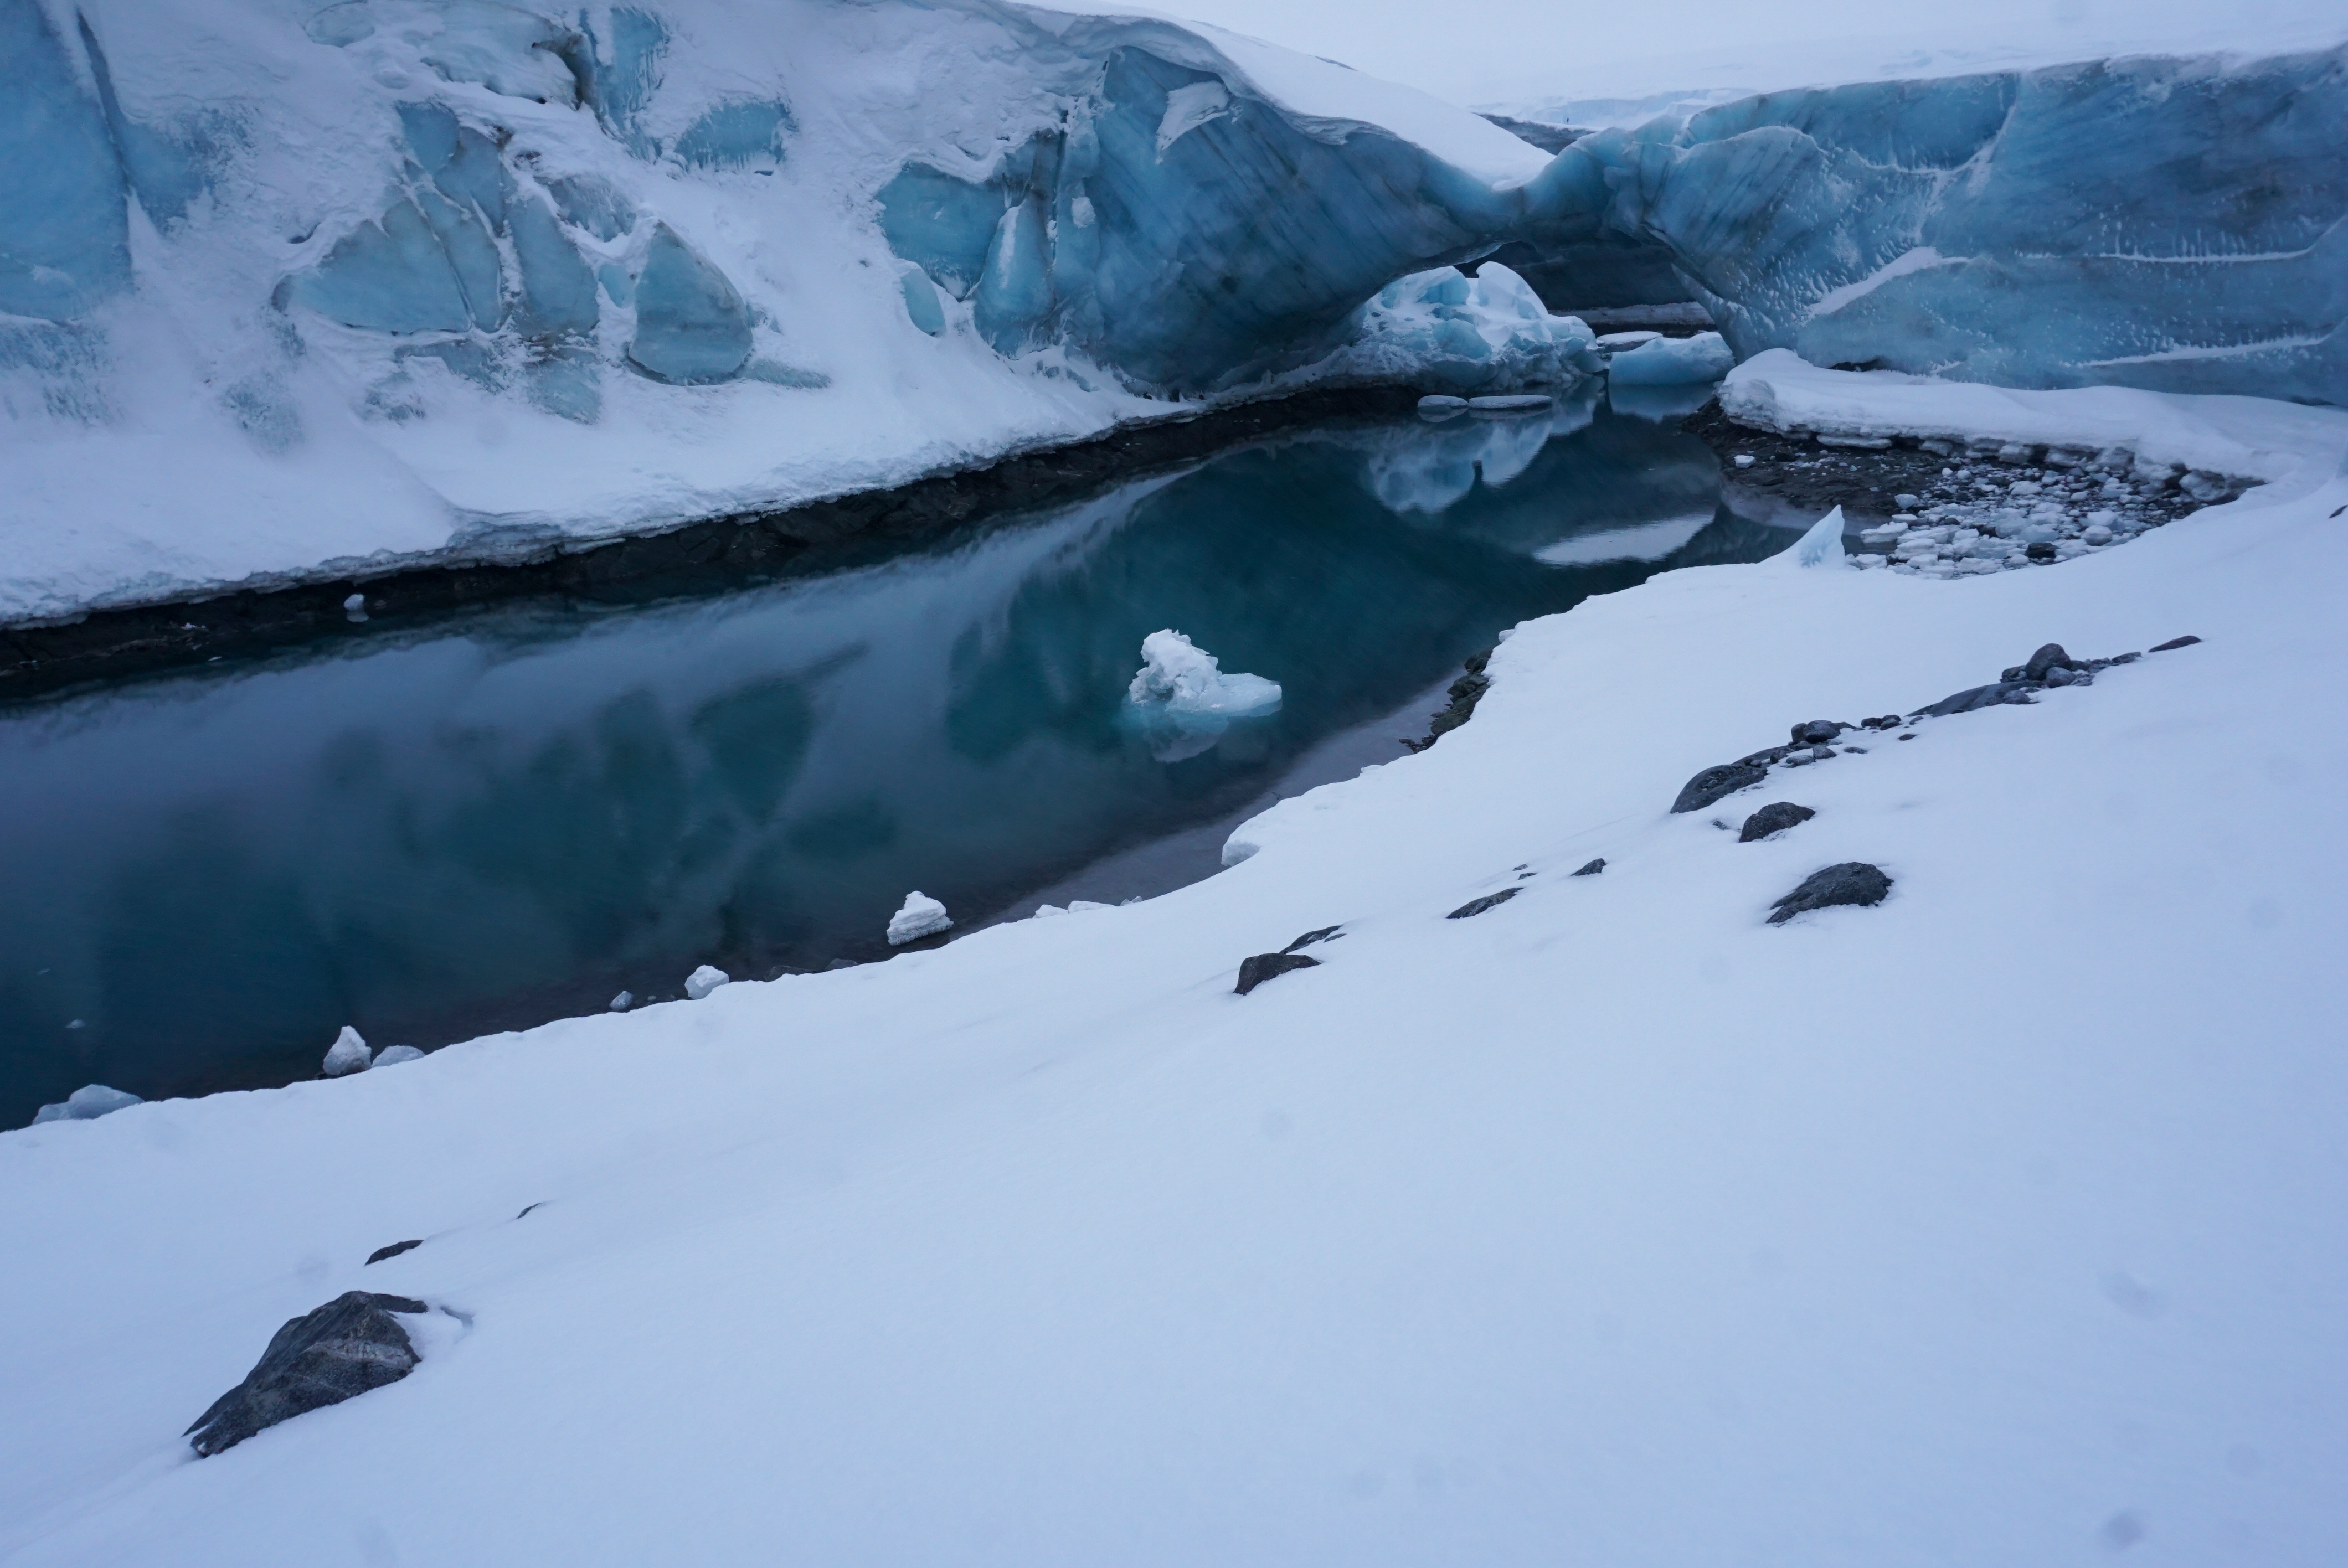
column 1512, row 402
column 1044, row 911
column 1616, row 343
column 922, row 916
column 348, row 1054
column 703, row 980
column 1822, row 546
column 1666, row 361
column 392, row 1056
column 1080, row 906
column 623, row 1001
column 1184, row 679
column 88, row 1103
column 1488, row 332
column 1441, row 406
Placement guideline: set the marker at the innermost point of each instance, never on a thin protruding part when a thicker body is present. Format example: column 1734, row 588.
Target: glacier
column 290, row 294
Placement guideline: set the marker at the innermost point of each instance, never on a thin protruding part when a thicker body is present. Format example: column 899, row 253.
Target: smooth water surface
column 435, row 831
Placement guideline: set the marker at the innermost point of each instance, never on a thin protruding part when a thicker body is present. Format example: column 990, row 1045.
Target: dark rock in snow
column 349, row 1346
column 1592, row 869
column 1817, row 731
column 1714, row 783
column 1887, row 721
column 2040, row 551
column 1978, row 697
column 1264, row 967
column 1853, row 882
column 1306, row 940
column 1477, row 906
column 2046, row 659
column 2174, row 643
column 1774, row 817
column 394, row 1250
column 1763, row 758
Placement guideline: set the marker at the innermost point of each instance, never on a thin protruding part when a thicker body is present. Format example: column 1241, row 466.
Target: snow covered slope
column 286, row 290
column 2004, row 1222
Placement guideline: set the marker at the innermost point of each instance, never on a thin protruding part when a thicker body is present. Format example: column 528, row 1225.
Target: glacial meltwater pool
column 436, row 831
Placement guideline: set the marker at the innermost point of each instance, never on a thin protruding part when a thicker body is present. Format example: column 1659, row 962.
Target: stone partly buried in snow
column 692, row 327
column 1262, row 967
column 1774, row 817
column 347, row 1346
column 1477, row 906
column 1853, row 882
column 1717, row 783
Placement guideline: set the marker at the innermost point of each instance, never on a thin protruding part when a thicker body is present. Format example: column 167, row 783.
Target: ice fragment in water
column 1184, row 679
column 1672, row 361
column 394, row 1055
column 348, row 1054
column 623, row 1001
column 703, row 980
column 922, row 916
column 86, row 1103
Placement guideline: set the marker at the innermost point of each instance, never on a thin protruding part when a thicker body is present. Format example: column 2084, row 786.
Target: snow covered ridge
column 2169, row 223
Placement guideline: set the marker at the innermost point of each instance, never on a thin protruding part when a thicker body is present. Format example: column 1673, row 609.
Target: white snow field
column 2005, row 1221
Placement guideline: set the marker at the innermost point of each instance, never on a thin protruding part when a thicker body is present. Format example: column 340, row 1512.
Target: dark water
column 433, row 832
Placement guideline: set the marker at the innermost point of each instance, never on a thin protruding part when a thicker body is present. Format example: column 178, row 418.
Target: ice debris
column 1822, row 545
column 1489, row 334
column 393, row 1056
column 348, row 1054
column 88, row 1103
column 703, row 980
column 921, row 915
column 1184, row 679
column 1671, row 362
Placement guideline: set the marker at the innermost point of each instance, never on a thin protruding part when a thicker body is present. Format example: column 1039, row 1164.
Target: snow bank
column 2016, row 1206
column 2247, row 437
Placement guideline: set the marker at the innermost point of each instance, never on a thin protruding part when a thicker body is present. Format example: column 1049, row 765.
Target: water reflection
column 488, row 823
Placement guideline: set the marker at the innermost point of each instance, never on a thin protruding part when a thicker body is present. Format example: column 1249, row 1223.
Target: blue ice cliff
column 288, row 290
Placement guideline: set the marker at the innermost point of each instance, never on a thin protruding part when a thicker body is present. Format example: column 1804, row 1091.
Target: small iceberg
column 348, row 1054
column 1184, row 679
column 88, row 1103
column 922, row 916
column 703, row 980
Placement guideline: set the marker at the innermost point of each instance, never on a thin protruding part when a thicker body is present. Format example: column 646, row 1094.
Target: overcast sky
column 1480, row 52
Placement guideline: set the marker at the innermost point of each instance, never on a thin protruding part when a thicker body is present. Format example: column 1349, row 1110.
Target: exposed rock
column 2174, row 643
column 1774, row 817
column 348, row 1054
column 1465, row 693
column 2046, row 659
column 347, row 1346
column 1262, row 967
column 1324, row 934
column 1817, row 731
column 1594, row 868
column 1853, row 882
column 1977, row 697
column 395, row 1248
column 1477, row 906
column 1887, row 721
column 1715, row 784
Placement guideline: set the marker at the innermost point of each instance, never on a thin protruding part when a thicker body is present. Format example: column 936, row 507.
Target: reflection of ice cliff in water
column 493, row 823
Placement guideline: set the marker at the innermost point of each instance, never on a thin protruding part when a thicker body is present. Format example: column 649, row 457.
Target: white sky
column 1515, row 52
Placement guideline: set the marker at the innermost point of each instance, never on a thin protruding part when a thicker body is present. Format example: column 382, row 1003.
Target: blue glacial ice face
column 592, row 206
column 558, row 290
column 692, row 327
column 618, row 73
column 64, row 227
column 923, row 307
column 744, row 133
column 943, row 224
column 391, row 275
column 2159, row 222
column 166, row 176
